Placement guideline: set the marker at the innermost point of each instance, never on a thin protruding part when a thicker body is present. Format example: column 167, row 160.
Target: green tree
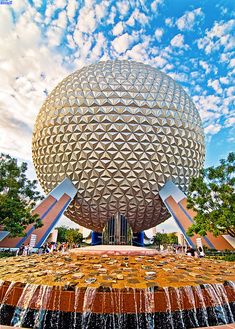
column 160, row 238
column 212, row 196
column 61, row 233
column 172, row 238
column 18, row 196
column 71, row 235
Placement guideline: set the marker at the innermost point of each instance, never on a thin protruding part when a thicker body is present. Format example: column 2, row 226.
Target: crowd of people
column 52, row 247
column 199, row 253
column 26, row 250
column 187, row 250
column 56, row 247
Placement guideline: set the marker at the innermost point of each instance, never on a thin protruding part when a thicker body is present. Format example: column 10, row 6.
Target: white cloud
column 187, row 21
column 87, row 22
column 52, row 8
column 60, row 4
column 230, row 122
column 18, row 6
column 214, row 109
column 37, row 3
column 112, row 15
column 215, row 85
column 84, row 42
column 137, row 16
column 232, row 63
column 155, row 4
column 225, row 57
column 218, row 36
column 212, row 129
column 27, row 67
column 123, row 7
column 118, row 28
column 178, row 41
column 130, row 21
column 198, row 89
column 71, row 42
column 6, row 20
column 96, row 51
column 158, row 34
column 205, row 66
column 71, row 9
column 101, row 9
column 90, row 15
column 180, row 77
column 169, row 22
column 122, row 43
column 54, row 35
column 224, row 80
column 160, row 61
column 208, row 107
column 61, row 20
column 230, row 92
column 168, row 67
column 139, row 53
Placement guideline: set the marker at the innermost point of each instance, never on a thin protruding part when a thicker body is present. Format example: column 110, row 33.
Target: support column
column 96, row 238
column 49, row 210
column 176, row 203
column 138, row 239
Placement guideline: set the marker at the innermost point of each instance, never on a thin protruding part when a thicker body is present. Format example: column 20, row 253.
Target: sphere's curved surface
column 119, row 130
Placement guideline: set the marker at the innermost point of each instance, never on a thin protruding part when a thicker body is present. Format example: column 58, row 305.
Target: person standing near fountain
column 201, row 252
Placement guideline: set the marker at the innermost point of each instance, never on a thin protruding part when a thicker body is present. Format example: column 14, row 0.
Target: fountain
column 115, row 291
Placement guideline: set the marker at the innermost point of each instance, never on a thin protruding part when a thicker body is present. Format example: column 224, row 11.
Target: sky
column 41, row 42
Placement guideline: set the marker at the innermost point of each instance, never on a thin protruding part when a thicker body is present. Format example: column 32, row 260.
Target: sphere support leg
column 138, row 239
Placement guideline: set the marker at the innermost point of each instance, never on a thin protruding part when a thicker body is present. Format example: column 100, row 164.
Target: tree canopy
column 212, row 196
column 165, row 238
column 70, row 235
column 18, row 196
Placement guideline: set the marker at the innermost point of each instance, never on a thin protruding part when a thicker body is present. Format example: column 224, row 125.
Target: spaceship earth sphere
column 119, row 130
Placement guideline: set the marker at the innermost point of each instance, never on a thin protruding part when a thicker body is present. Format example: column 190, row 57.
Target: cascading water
column 23, row 304
column 76, row 299
column 87, row 307
column 202, row 305
column 39, row 307
column 149, row 307
column 221, row 309
column 191, row 299
column 168, row 309
column 55, row 315
column 4, row 301
column 222, row 295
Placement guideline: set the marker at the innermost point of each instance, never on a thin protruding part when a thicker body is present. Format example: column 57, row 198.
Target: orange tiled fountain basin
column 79, row 290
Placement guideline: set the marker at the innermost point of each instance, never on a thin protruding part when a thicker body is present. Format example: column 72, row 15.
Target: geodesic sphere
column 119, row 130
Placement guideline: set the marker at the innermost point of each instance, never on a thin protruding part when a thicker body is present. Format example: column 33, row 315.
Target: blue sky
column 43, row 41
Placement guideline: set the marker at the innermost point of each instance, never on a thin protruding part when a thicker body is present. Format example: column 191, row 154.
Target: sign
column 33, row 239
column 199, row 243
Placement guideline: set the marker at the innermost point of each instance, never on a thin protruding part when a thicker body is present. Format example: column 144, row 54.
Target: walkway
column 115, row 250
